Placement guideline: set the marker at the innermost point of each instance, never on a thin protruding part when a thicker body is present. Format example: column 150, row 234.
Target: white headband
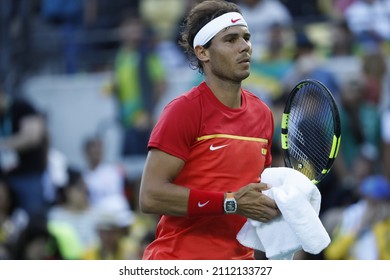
column 207, row 32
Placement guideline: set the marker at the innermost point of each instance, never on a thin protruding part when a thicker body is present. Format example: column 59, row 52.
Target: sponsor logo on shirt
column 213, row 148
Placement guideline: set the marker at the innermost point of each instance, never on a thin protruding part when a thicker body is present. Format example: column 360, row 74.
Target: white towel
column 299, row 226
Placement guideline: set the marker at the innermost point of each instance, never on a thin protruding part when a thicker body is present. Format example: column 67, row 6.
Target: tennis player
column 209, row 147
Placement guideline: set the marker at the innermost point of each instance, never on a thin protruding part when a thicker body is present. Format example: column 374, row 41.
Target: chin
column 243, row 76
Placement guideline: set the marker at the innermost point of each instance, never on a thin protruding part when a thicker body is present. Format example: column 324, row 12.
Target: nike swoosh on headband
column 207, row 32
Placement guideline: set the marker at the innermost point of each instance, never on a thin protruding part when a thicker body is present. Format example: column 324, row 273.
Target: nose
column 245, row 45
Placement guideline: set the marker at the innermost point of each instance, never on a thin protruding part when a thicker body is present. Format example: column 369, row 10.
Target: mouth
column 244, row 60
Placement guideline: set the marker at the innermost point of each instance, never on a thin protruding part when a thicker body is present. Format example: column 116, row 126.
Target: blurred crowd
column 50, row 209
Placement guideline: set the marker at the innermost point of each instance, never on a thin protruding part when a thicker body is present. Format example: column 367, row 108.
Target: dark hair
column 74, row 177
column 91, row 141
column 198, row 17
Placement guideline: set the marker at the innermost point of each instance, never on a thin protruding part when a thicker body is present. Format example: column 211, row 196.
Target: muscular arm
column 159, row 196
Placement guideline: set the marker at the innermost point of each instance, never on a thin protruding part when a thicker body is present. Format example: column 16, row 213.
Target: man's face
column 131, row 32
column 95, row 152
column 229, row 54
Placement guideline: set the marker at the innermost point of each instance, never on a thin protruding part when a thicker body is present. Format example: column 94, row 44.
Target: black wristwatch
column 230, row 203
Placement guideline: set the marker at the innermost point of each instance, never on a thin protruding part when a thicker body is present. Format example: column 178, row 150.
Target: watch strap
column 229, row 195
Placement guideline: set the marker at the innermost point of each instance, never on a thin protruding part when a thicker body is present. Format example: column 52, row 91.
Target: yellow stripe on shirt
column 229, row 136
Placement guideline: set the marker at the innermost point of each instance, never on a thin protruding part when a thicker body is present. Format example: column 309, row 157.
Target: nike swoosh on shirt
column 213, row 148
column 200, row 205
column 235, row 20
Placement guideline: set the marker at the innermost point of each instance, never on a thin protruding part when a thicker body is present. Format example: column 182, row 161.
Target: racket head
column 310, row 130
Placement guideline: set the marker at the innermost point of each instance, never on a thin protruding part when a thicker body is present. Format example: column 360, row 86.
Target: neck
column 229, row 93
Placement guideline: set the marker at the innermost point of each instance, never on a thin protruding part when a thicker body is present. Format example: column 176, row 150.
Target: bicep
column 158, row 194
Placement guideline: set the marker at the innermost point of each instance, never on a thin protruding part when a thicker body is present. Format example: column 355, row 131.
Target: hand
column 255, row 205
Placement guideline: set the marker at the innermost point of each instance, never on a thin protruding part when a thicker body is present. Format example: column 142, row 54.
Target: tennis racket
column 310, row 130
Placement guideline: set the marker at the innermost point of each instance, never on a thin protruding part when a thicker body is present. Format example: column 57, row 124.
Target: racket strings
column 310, row 131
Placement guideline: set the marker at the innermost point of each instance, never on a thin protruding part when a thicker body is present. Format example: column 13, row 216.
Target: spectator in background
column 169, row 50
column 370, row 22
column 56, row 175
column 103, row 179
column 363, row 228
column 116, row 202
column 342, row 59
column 260, row 16
column 343, row 42
column 139, row 82
column 13, row 221
column 72, row 220
column 374, row 70
column 308, row 64
column 361, row 132
column 162, row 16
column 113, row 228
column 24, row 151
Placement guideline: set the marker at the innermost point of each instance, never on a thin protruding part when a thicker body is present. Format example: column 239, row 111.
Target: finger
column 262, row 187
column 269, row 215
column 268, row 202
column 263, row 220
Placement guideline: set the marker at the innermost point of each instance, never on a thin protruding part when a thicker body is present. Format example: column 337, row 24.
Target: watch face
column 230, row 206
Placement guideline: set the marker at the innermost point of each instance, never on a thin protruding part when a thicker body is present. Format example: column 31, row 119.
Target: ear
column 201, row 53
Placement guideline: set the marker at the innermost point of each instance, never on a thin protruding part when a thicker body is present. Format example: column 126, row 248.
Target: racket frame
column 336, row 120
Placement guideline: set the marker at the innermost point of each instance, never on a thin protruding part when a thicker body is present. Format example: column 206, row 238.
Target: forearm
column 170, row 199
column 17, row 142
column 159, row 195
column 164, row 199
column 31, row 134
column 174, row 200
